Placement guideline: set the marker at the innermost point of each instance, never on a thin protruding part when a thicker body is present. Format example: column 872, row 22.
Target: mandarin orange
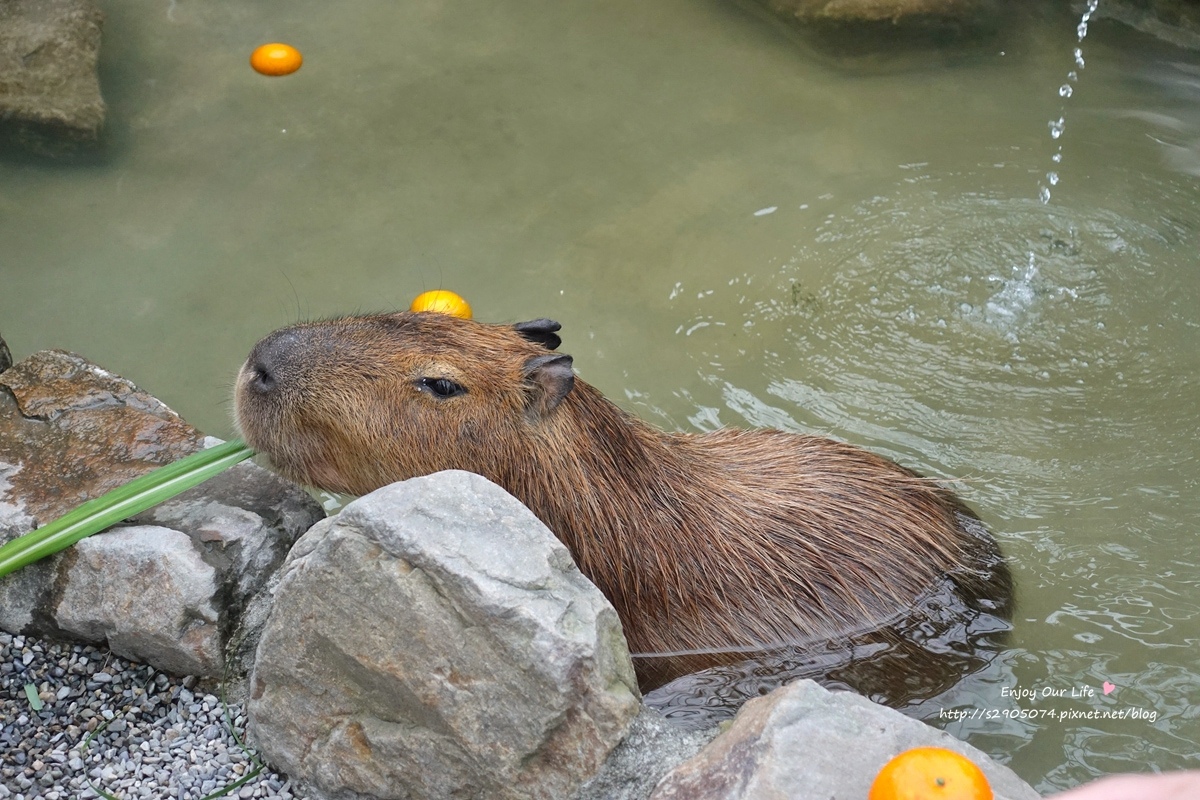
column 930, row 773
column 276, row 59
column 443, row 302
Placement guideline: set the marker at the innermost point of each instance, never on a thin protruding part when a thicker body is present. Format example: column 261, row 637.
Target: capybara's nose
column 261, row 377
column 268, row 360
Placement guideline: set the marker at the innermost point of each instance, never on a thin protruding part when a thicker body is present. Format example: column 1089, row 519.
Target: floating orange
column 276, row 59
column 930, row 773
column 443, row 302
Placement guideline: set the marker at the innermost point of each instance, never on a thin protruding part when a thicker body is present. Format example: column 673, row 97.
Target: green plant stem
column 134, row 497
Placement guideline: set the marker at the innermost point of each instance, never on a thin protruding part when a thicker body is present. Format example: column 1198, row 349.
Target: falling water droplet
column 1082, row 27
column 1065, row 91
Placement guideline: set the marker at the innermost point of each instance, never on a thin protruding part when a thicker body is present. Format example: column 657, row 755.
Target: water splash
column 1017, row 294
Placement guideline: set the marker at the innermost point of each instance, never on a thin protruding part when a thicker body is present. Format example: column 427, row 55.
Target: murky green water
column 612, row 165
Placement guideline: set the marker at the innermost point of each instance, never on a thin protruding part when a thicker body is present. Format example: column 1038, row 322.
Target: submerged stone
column 852, row 28
column 1174, row 21
column 50, row 99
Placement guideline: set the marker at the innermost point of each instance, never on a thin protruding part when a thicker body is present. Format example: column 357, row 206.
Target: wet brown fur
column 718, row 541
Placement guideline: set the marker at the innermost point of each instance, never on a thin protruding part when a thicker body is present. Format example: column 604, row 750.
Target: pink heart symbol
column 1108, row 687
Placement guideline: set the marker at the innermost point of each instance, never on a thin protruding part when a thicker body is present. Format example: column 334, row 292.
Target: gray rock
column 436, row 640
column 147, row 591
column 50, row 93
column 242, row 522
column 804, row 742
column 173, row 593
column 651, row 748
column 69, row 431
column 5, row 356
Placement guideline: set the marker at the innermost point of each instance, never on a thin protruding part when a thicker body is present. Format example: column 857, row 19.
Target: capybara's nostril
column 262, row 379
column 269, row 359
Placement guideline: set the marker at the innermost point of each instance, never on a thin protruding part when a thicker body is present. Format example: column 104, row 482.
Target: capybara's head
column 355, row 403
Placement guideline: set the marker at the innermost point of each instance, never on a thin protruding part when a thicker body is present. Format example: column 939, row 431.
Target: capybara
column 706, row 544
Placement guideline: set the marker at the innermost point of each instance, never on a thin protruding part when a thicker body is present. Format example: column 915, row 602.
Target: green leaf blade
column 134, row 497
column 31, row 694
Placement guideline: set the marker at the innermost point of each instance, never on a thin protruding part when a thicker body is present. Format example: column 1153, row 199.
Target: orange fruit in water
column 276, row 59
column 443, row 302
column 930, row 773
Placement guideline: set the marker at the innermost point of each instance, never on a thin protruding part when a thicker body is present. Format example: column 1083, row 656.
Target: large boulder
column 49, row 89
column 805, row 742
column 172, row 590
column 436, row 640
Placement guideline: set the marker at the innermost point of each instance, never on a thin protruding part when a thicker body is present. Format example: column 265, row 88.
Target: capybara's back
column 706, row 544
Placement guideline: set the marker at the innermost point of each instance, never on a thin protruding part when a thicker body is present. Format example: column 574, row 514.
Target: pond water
column 734, row 230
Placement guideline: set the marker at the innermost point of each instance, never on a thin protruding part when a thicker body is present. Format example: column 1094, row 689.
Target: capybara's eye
column 441, row 387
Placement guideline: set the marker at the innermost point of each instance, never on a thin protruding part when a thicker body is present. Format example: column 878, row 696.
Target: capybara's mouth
column 259, row 415
column 271, row 391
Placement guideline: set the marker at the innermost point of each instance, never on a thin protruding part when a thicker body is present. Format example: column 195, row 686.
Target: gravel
column 159, row 735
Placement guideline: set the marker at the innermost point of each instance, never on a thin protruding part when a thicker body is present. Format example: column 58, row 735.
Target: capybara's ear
column 540, row 331
column 548, row 379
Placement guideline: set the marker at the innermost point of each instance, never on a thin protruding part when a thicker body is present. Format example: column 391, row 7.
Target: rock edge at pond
column 805, row 742
column 170, row 590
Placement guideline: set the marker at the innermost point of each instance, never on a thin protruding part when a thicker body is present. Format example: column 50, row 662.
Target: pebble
column 151, row 734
